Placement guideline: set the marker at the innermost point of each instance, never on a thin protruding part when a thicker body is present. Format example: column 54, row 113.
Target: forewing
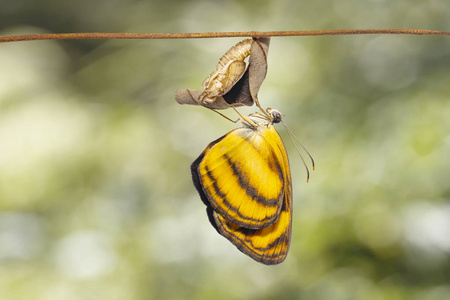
column 241, row 175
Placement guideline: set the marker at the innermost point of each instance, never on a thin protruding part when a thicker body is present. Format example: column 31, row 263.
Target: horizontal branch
column 100, row 35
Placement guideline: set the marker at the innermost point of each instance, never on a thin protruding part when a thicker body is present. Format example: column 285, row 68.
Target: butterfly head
column 274, row 114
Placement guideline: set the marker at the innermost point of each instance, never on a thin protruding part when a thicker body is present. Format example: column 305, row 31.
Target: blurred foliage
column 96, row 200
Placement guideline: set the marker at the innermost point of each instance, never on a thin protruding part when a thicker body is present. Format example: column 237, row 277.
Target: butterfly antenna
column 293, row 139
column 303, row 147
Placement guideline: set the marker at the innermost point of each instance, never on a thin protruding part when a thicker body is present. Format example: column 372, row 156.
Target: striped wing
column 268, row 245
column 243, row 175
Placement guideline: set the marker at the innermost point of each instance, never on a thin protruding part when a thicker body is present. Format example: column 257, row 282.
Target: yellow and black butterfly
column 245, row 181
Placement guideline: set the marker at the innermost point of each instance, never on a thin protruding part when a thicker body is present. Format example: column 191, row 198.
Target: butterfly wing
column 268, row 244
column 242, row 176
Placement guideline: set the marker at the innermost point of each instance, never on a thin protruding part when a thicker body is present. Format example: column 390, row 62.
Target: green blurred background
column 96, row 200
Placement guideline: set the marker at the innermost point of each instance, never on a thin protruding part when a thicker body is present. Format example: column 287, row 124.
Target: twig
column 100, row 35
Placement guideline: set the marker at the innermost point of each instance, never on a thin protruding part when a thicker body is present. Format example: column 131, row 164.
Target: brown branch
column 100, row 35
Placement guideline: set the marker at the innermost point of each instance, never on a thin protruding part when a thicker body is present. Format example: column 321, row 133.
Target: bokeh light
column 96, row 199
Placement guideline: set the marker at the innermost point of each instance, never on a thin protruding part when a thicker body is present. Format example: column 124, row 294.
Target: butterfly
column 244, row 179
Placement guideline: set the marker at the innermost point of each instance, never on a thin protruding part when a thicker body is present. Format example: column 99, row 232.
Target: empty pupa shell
column 237, row 93
column 228, row 71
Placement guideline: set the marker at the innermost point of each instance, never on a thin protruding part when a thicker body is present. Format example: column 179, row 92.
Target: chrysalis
column 228, row 71
column 230, row 85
